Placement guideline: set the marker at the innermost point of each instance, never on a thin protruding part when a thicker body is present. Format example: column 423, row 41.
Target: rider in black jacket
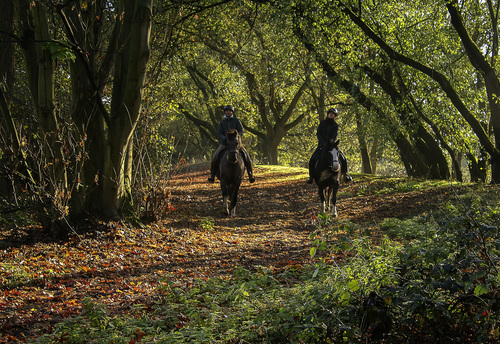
column 229, row 122
column 327, row 129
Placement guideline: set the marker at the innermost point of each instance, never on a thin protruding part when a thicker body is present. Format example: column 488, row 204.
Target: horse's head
column 332, row 151
column 233, row 144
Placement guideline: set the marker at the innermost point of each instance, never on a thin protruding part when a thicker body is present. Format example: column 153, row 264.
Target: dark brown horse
column 231, row 171
column 327, row 176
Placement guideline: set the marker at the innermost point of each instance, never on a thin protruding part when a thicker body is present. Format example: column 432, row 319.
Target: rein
column 233, row 146
column 234, row 151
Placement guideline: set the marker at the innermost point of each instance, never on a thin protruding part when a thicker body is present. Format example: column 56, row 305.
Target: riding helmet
column 228, row 107
column 334, row 110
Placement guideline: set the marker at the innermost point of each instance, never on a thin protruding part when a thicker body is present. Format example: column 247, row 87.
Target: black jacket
column 327, row 129
column 226, row 124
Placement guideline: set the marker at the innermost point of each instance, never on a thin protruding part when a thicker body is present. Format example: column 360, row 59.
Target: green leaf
column 344, row 296
column 353, row 285
column 481, row 289
column 59, row 50
column 312, row 252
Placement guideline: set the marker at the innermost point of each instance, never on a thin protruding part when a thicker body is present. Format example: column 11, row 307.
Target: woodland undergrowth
column 424, row 279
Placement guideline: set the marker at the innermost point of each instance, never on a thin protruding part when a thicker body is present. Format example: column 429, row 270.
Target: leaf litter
column 43, row 282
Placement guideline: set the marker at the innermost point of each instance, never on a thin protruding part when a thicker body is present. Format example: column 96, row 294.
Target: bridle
column 233, row 150
column 335, row 158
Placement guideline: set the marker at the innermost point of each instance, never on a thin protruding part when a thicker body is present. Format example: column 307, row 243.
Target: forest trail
column 42, row 282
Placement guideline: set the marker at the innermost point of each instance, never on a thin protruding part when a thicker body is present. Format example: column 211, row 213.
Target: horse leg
column 224, row 199
column 328, row 198
column 334, row 200
column 230, row 210
column 321, row 192
column 234, row 199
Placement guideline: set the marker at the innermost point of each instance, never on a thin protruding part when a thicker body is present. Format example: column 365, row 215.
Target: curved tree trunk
column 414, row 164
column 425, row 145
column 275, row 119
column 491, row 81
column 478, row 62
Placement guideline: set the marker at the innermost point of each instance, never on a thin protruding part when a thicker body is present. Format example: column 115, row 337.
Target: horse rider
column 327, row 129
column 229, row 122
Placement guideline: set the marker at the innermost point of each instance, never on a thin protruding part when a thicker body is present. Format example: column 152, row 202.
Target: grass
column 281, row 173
column 375, row 185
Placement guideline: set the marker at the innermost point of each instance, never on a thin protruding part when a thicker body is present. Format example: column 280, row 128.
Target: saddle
column 221, row 153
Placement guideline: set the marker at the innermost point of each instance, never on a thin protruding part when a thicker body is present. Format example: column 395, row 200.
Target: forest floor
column 43, row 282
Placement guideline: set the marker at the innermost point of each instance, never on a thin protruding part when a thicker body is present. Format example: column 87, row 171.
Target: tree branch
column 432, row 73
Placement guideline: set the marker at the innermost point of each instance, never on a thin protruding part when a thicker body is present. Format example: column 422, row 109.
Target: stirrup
column 251, row 178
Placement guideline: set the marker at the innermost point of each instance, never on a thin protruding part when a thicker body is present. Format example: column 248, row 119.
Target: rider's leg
column 248, row 165
column 312, row 164
column 214, row 163
column 343, row 167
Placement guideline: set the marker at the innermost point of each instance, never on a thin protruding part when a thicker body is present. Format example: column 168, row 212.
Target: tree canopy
column 85, row 83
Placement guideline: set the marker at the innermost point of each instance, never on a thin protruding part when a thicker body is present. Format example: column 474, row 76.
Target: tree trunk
column 8, row 131
column 493, row 89
column 477, row 167
column 366, row 166
column 130, row 73
column 414, row 164
column 52, row 183
column 476, row 58
column 373, row 155
column 7, row 47
column 425, row 145
column 87, row 111
column 270, row 150
column 491, row 81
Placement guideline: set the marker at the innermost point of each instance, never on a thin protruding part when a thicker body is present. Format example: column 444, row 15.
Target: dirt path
column 44, row 282
column 271, row 228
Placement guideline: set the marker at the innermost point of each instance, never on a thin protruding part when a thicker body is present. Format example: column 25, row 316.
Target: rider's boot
column 311, row 172
column 343, row 164
column 251, row 178
column 213, row 167
column 248, row 165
